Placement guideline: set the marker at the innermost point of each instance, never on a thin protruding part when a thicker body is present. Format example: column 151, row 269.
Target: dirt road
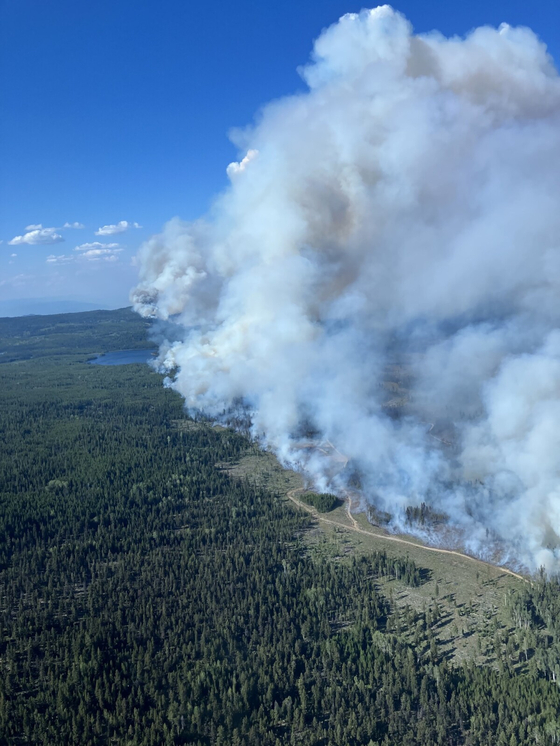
column 355, row 527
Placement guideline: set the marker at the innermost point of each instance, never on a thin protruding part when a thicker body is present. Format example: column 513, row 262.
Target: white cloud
column 37, row 235
column 17, row 280
column 120, row 227
column 109, row 255
column 91, row 252
column 13, row 255
column 60, row 259
column 96, row 245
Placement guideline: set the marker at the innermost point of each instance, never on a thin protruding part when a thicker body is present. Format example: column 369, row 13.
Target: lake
column 123, row 357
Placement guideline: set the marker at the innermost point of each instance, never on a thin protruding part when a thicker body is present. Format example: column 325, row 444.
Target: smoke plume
column 383, row 273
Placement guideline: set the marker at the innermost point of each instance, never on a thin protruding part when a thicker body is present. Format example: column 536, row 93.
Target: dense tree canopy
column 148, row 598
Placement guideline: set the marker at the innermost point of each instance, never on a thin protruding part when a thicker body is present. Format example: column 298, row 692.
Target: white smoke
column 398, row 225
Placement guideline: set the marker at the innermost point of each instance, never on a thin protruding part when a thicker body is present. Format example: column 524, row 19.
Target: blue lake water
column 123, row 357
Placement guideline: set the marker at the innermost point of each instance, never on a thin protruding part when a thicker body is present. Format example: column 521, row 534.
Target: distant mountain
column 45, row 306
column 46, row 335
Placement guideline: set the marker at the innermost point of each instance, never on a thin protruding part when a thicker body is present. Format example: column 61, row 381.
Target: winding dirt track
column 355, row 527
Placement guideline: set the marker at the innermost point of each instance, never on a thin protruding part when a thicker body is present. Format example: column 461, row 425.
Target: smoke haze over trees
column 401, row 212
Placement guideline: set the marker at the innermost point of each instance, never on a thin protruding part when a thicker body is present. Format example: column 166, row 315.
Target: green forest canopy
column 147, row 598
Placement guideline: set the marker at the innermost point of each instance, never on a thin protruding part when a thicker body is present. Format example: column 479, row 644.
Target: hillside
column 159, row 586
column 26, row 337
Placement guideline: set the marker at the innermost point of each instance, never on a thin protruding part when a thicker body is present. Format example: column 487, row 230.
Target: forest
column 322, row 501
column 148, row 597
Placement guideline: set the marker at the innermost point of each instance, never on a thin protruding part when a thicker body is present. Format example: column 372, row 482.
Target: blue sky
column 117, row 114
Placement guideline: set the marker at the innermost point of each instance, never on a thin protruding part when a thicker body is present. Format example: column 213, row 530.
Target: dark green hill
column 26, row 337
